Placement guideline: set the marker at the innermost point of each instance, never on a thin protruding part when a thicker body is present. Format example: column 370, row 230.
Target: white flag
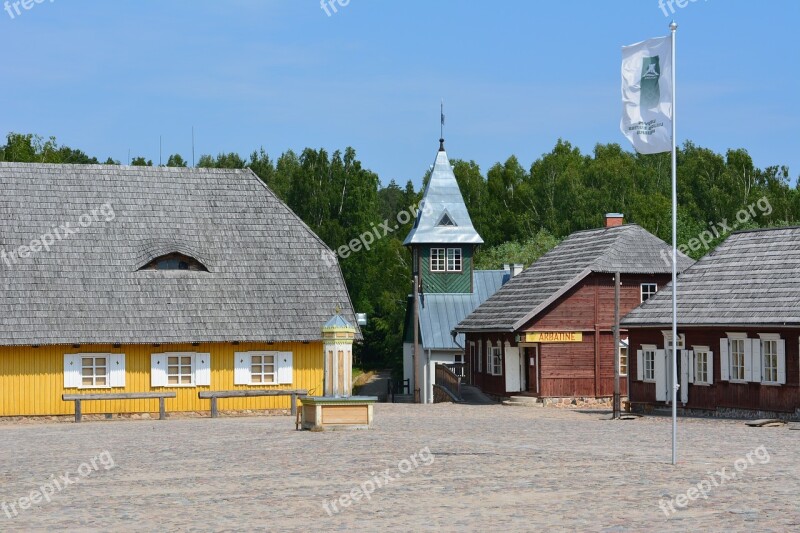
column 647, row 95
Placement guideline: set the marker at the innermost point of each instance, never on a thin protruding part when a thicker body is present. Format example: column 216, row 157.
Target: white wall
column 427, row 368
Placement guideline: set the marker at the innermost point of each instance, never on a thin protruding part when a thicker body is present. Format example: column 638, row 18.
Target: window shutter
column 724, row 366
column 710, row 368
column 72, row 371
column 241, row 369
column 687, row 358
column 755, row 360
column 640, row 365
column 661, row 375
column 116, row 370
column 202, row 369
column 748, row 360
column 782, row 362
column 692, row 364
column 285, row 373
column 158, row 370
column 480, row 356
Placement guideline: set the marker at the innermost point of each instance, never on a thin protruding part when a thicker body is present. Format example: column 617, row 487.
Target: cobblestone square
column 442, row 467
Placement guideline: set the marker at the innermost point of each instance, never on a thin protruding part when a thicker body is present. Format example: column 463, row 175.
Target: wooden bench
column 214, row 395
column 78, row 398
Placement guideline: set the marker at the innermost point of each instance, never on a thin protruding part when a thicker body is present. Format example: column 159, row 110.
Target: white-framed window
column 495, row 360
column 623, row 360
column 94, row 370
column 438, row 262
column 454, row 260
column 649, row 362
column 760, row 360
column 703, row 369
column 263, row 368
column 180, row 369
column 773, row 359
column 648, row 290
column 736, row 347
column 769, row 357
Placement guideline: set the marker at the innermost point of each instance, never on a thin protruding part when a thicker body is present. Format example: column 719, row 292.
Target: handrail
column 446, row 378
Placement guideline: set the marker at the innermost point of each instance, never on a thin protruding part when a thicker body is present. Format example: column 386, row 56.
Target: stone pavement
column 475, row 396
column 450, row 468
column 377, row 385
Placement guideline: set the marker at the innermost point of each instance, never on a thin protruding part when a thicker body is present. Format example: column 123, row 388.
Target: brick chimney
column 614, row 219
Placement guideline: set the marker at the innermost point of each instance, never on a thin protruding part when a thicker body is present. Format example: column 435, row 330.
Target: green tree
column 175, row 160
column 141, row 162
column 512, row 252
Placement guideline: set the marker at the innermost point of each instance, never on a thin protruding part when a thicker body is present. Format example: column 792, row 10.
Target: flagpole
column 673, row 27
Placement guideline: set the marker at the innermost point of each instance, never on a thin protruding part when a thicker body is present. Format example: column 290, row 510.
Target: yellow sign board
column 554, row 336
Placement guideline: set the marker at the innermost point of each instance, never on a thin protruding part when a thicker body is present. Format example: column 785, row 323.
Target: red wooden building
column 738, row 330
column 548, row 331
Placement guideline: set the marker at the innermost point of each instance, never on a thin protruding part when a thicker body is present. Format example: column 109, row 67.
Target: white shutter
column 116, row 371
column 692, row 365
column 661, row 375
column 639, row 365
column 724, row 366
column 72, row 371
column 241, row 368
column 202, row 369
column 285, row 368
column 755, row 360
column 748, row 360
column 710, row 368
column 687, row 358
column 782, row 362
column 158, row 370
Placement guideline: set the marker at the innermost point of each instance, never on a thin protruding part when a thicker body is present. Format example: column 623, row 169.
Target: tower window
column 446, row 221
column 446, row 260
column 454, row 259
column 437, row 260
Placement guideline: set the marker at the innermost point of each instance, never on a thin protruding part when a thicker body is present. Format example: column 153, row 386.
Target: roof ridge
column 588, row 230
column 764, row 230
column 102, row 166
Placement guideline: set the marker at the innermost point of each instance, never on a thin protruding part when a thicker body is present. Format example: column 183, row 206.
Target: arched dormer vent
column 175, row 261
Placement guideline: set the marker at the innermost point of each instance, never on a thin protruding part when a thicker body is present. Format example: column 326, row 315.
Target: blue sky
column 111, row 76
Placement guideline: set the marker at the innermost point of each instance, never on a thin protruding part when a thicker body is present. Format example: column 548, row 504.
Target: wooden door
column 532, row 360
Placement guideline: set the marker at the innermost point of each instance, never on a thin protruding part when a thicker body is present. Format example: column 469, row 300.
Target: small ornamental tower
column 337, row 409
column 337, row 340
column 443, row 238
column 442, row 243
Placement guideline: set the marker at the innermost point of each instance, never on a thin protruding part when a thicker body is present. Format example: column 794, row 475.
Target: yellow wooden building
column 140, row 279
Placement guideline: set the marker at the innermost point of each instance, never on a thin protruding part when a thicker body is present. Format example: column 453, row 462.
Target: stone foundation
column 583, row 403
column 720, row 412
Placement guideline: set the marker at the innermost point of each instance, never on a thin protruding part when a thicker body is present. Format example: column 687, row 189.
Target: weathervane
column 441, row 129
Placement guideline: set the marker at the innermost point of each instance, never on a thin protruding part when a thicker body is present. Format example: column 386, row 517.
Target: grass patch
column 361, row 379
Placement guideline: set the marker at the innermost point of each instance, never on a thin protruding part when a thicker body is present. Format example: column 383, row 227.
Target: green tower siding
column 446, row 282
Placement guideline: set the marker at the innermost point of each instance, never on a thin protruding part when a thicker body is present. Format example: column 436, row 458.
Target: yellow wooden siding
column 32, row 379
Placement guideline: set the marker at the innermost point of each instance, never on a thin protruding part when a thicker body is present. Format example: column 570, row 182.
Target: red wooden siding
column 584, row 369
column 755, row 396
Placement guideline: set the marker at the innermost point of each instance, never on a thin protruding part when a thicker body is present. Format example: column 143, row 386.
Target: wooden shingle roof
column 753, row 278
column 270, row 278
column 628, row 249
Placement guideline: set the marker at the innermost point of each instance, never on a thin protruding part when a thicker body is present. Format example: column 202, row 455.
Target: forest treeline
column 520, row 212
